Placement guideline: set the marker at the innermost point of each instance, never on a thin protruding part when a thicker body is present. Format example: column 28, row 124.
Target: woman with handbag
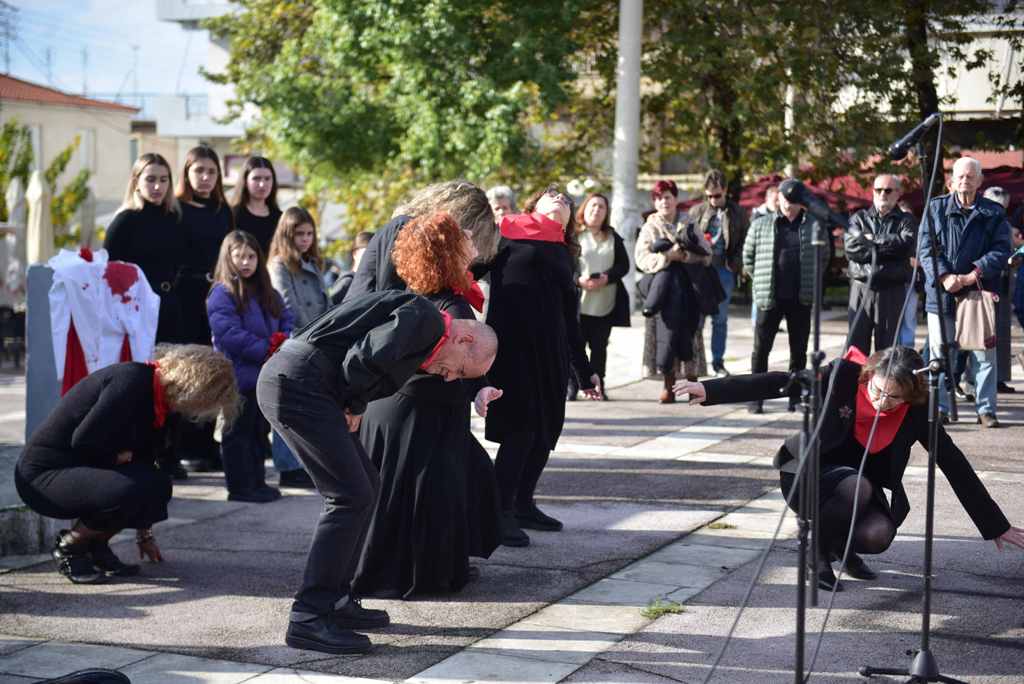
column 604, row 261
column 662, row 248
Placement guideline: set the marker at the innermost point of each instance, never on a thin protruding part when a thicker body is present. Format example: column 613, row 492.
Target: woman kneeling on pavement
column 92, row 458
column 887, row 384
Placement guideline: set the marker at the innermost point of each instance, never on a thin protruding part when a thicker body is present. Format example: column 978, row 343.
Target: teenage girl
column 248, row 320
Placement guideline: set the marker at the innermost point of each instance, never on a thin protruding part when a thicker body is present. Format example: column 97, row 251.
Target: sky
column 168, row 56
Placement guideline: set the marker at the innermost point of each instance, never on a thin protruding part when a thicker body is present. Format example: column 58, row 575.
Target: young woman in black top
column 207, row 220
column 885, row 383
column 254, row 204
column 92, row 458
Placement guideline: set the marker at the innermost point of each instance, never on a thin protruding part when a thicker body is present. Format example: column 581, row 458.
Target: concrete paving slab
column 704, row 554
column 15, row 679
column 680, row 575
column 52, row 659
column 285, row 675
column 469, row 666
column 557, row 645
column 610, row 619
column 171, row 668
column 10, row 644
column 619, row 592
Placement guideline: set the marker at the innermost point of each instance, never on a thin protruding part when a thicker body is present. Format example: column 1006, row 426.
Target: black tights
column 874, row 530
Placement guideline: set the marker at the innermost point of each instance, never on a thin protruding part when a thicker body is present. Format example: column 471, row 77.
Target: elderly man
column 503, row 202
column 973, row 245
column 313, row 392
column 779, row 255
column 725, row 224
column 879, row 243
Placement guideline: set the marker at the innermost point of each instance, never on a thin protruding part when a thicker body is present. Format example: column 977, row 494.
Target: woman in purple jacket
column 249, row 321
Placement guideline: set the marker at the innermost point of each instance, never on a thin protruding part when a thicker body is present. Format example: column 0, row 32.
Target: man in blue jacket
column 973, row 245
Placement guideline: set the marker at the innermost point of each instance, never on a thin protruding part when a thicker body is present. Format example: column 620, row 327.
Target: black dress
column 260, row 227
column 155, row 241
column 206, row 226
column 69, row 466
column 438, row 502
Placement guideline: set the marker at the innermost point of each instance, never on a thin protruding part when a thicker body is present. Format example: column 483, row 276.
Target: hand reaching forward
column 484, row 397
column 694, row 389
column 1014, row 535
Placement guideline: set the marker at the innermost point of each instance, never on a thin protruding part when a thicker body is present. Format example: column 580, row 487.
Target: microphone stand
column 924, row 668
column 810, row 472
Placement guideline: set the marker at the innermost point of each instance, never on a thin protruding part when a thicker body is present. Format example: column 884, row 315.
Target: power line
column 8, row 19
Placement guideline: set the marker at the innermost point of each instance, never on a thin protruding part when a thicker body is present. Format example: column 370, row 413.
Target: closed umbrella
column 12, row 248
column 39, row 232
column 87, row 219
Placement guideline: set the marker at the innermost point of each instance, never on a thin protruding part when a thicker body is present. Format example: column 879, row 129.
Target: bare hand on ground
column 1014, row 535
column 148, row 550
column 694, row 389
column 595, row 393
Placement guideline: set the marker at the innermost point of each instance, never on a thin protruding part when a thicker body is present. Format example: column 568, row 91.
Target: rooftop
column 16, row 89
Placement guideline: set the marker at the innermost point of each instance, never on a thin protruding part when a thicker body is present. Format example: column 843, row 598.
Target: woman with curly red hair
column 438, row 502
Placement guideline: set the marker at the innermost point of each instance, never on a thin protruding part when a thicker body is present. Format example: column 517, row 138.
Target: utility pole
column 135, row 70
column 85, row 70
column 8, row 17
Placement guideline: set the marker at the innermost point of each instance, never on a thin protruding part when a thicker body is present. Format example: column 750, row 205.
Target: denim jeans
column 720, row 321
column 983, row 362
column 909, row 325
column 284, row 459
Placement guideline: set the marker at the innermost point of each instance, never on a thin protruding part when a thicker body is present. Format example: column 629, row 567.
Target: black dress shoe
column 297, row 478
column 511, row 533
column 532, row 518
column 321, row 634
column 352, row 615
column 961, row 395
column 262, row 495
column 856, row 567
column 827, row 580
column 105, row 560
column 1003, row 388
column 91, row 676
column 74, row 561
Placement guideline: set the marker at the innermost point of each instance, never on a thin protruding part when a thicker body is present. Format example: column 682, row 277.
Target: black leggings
column 874, row 530
column 595, row 331
column 518, row 466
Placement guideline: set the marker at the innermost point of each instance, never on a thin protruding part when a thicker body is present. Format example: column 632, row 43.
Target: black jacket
column 734, row 229
column 107, row 412
column 894, row 236
column 375, row 343
column 376, row 271
column 839, row 421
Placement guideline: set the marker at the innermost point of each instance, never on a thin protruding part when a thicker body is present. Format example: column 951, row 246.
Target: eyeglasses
column 884, row 191
column 877, row 393
column 555, row 193
column 713, row 195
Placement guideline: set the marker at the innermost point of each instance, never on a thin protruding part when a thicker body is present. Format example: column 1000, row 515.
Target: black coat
column 376, row 271
column 155, row 241
column 107, row 412
column 438, row 503
column 375, row 342
column 206, row 227
column 533, row 304
column 618, row 271
column 260, row 227
column 894, row 238
column 839, row 421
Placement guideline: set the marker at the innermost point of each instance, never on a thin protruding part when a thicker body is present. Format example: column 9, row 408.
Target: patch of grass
column 719, row 525
column 658, row 607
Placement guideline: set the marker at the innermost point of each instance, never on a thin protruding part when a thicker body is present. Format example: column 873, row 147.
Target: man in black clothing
column 879, row 244
column 361, row 350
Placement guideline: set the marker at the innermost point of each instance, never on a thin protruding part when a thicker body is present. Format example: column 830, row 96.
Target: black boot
column 352, row 615
column 532, row 518
column 74, row 561
column 105, row 560
column 511, row 533
column 321, row 634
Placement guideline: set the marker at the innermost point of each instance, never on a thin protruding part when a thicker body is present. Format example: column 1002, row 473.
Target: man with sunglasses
column 725, row 225
column 879, row 244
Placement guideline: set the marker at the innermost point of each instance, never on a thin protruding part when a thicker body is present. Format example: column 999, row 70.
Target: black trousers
column 882, row 309
column 596, row 330
column 133, row 495
column 297, row 392
column 518, row 466
column 798, row 325
column 1004, row 318
column 242, row 450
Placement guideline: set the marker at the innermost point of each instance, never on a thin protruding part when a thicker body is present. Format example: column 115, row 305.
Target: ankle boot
column 667, row 395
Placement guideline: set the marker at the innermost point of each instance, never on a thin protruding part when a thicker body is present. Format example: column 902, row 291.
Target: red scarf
column 472, row 294
column 532, row 227
column 440, row 343
column 888, row 421
column 160, row 409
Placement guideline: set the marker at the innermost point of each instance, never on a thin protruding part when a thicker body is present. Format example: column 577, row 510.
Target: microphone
column 898, row 150
column 796, row 192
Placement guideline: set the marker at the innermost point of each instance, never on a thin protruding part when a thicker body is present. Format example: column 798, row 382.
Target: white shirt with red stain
column 110, row 304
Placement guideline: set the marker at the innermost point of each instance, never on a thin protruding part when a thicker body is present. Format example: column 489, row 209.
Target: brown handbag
column 976, row 320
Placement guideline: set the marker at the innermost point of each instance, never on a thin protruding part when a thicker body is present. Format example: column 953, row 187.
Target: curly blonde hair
column 199, row 381
column 431, row 254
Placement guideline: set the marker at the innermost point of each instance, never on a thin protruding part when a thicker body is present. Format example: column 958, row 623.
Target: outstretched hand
column 1014, row 535
column 149, row 550
column 694, row 389
column 595, row 393
column 484, row 397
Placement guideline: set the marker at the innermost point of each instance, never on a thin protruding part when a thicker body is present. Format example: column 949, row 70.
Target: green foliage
column 658, row 607
column 15, row 159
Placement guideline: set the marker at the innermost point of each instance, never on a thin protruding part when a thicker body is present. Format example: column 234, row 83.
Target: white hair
column 997, row 194
column 502, row 192
column 974, row 164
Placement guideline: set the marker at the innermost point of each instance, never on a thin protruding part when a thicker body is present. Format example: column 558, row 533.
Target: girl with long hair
column 249, row 321
column 254, row 203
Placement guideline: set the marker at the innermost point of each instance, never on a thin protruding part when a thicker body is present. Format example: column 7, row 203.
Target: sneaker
column 988, row 420
column 297, row 478
column 962, row 395
column 532, row 518
column 511, row 533
column 105, row 560
column 352, row 615
column 321, row 634
column 720, row 370
column 74, row 562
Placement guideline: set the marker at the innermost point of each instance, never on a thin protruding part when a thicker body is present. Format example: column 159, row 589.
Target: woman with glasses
column 533, row 311
column 887, row 384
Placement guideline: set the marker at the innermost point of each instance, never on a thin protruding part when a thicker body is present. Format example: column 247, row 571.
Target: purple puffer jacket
column 243, row 337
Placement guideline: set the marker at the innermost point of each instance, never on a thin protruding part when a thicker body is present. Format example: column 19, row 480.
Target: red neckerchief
column 472, row 294
column 532, row 227
column 160, row 409
column 888, row 421
column 440, row 343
